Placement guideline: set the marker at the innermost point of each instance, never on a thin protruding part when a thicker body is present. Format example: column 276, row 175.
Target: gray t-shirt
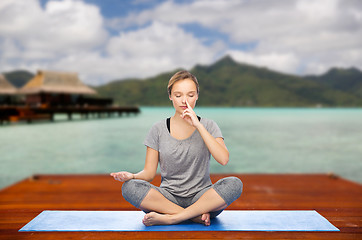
column 184, row 164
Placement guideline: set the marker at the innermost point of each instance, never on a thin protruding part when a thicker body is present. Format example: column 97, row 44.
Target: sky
column 107, row 40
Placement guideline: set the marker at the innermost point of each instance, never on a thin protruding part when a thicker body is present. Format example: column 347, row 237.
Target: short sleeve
column 152, row 138
column 213, row 129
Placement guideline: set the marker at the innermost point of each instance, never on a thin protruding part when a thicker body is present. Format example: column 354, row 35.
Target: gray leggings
column 229, row 189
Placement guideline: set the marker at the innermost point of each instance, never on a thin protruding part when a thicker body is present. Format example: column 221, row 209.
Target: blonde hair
column 181, row 75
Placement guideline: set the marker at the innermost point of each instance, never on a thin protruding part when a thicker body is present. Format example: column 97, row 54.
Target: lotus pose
column 182, row 145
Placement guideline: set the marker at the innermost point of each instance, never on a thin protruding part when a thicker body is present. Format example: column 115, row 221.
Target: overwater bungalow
column 49, row 88
column 7, row 92
column 49, row 93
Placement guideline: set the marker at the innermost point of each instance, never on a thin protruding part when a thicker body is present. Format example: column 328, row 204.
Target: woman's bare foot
column 203, row 219
column 154, row 218
column 206, row 218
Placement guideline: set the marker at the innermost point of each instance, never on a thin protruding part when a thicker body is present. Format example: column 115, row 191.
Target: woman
column 182, row 146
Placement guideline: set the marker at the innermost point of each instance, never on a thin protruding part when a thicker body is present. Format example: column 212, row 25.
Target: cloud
column 33, row 37
column 148, row 51
column 70, row 35
column 306, row 32
column 61, row 27
column 301, row 36
column 161, row 45
column 283, row 62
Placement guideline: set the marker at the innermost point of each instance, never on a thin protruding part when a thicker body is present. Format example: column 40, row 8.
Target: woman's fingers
column 185, row 111
column 120, row 176
column 114, row 175
column 189, row 113
column 188, row 105
column 186, row 114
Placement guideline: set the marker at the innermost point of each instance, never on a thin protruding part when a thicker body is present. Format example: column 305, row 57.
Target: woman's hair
column 181, row 75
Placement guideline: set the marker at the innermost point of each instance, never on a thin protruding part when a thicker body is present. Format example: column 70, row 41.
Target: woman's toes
column 206, row 219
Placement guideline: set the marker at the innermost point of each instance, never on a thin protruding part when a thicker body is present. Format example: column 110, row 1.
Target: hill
column 18, row 78
column 347, row 80
column 228, row 83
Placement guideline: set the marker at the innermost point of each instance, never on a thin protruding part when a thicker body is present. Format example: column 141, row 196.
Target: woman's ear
column 169, row 96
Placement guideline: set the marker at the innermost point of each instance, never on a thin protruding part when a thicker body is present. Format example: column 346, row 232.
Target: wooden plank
column 339, row 200
column 19, row 113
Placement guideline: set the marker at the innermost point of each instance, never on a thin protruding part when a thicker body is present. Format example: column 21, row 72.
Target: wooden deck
column 339, row 200
column 30, row 114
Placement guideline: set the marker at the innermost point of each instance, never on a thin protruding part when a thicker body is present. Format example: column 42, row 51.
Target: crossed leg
column 143, row 195
column 165, row 212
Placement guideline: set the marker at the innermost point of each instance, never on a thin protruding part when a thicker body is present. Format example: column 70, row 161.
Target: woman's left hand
column 190, row 116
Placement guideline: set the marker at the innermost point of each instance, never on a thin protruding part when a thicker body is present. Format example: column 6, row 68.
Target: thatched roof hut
column 56, row 82
column 6, row 88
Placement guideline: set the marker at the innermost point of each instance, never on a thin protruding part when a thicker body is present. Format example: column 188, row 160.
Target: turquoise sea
column 260, row 140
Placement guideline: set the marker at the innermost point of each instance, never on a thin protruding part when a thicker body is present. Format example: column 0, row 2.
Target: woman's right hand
column 122, row 176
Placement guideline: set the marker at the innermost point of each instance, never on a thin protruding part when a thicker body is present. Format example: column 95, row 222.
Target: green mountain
column 18, row 78
column 347, row 80
column 228, row 83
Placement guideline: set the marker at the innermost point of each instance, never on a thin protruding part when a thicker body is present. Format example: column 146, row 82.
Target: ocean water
column 260, row 140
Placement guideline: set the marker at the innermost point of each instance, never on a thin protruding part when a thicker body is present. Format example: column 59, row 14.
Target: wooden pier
column 338, row 200
column 30, row 114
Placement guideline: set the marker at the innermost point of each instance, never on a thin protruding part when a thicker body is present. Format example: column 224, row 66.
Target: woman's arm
column 148, row 173
column 216, row 146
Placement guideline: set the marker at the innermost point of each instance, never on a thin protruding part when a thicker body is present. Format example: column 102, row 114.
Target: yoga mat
column 226, row 221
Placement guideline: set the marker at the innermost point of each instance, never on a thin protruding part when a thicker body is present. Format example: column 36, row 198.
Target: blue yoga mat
column 132, row 221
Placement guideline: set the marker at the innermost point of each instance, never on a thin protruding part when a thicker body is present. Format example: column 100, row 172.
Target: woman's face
column 183, row 90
